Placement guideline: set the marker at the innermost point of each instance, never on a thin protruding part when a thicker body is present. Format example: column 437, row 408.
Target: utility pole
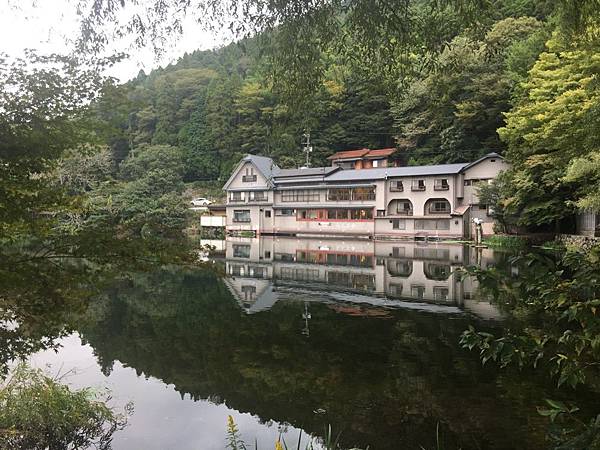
column 307, row 147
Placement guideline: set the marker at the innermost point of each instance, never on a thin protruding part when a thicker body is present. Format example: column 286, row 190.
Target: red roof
column 363, row 153
column 381, row 152
column 350, row 154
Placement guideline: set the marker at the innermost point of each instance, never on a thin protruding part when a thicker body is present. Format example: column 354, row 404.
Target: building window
column 241, row 215
column 258, row 196
column 417, row 291
column 236, row 196
column 440, row 293
column 267, row 254
column 257, row 272
column 363, row 193
column 402, row 207
column 432, row 253
column 468, row 183
column 335, row 214
column 398, row 252
column 268, row 213
column 361, row 214
column 381, row 213
column 399, row 224
column 300, row 195
column 432, row 224
column 249, row 293
column 249, row 176
column 441, row 206
column 241, row 251
column 375, row 163
column 418, row 185
column 441, row 184
column 396, row 186
column 341, row 194
column 284, row 212
column 436, row 271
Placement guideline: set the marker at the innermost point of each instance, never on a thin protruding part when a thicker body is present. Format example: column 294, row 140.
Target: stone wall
column 576, row 240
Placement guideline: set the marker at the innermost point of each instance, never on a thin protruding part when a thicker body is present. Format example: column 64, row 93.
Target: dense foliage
column 38, row 412
column 556, row 299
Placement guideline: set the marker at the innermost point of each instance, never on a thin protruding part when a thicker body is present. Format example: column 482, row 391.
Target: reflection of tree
column 385, row 382
column 46, row 283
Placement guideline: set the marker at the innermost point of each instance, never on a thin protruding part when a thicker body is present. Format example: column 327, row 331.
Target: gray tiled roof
column 266, row 165
column 387, row 172
column 308, row 171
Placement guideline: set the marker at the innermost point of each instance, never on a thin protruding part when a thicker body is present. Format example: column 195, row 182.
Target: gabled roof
column 390, row 172
column 489, row 155
column 264, row 165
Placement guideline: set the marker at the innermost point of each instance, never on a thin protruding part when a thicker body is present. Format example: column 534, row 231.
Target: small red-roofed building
column 364, row 158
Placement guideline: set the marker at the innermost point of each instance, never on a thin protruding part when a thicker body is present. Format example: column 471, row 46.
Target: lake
column 289, row 334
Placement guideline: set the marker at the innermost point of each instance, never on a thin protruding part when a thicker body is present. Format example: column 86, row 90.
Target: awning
column 461, row 210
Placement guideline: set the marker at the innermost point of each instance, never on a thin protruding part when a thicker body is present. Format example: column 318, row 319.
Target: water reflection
column 361, row 335
column 392, row 274
column 385, row 377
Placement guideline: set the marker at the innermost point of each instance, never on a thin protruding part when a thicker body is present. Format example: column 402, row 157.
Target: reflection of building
column 263, row 270
column 418, row 201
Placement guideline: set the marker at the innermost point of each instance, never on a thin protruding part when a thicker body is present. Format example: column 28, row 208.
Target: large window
column 241, row 251
column 338, row 194
column 258, row 196
column 241, row 215
column 361, row 214
column 236, row 196
column 437, row 206
column 432, row 253
column 284, row 212
column 432, row 224
column 332, row 214
column 300, row 195
column 363, row 193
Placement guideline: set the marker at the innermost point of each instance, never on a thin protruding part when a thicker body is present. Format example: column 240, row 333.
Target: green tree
column 38, row 413
column 551, row 124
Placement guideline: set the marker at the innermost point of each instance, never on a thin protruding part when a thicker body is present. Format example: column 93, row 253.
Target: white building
column 436, row 201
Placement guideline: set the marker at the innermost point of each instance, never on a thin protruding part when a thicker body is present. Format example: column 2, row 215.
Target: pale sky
column 50, row 26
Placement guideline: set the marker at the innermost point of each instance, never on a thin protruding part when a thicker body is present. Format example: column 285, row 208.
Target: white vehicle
column 201, row 201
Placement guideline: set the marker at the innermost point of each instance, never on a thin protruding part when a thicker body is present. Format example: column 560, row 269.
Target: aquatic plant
column 330, row 442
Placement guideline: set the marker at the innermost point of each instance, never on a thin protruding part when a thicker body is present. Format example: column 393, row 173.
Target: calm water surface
column 289, row 335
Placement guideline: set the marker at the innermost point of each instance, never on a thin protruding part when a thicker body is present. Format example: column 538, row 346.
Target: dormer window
column 418, row 185
column 250, row 176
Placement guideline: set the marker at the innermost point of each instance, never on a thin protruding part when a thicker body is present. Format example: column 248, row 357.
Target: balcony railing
column 396, row 188
column 241, row 220
column 441, row 187
column 248, row 178
column 237, row 200
column 417, row 188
